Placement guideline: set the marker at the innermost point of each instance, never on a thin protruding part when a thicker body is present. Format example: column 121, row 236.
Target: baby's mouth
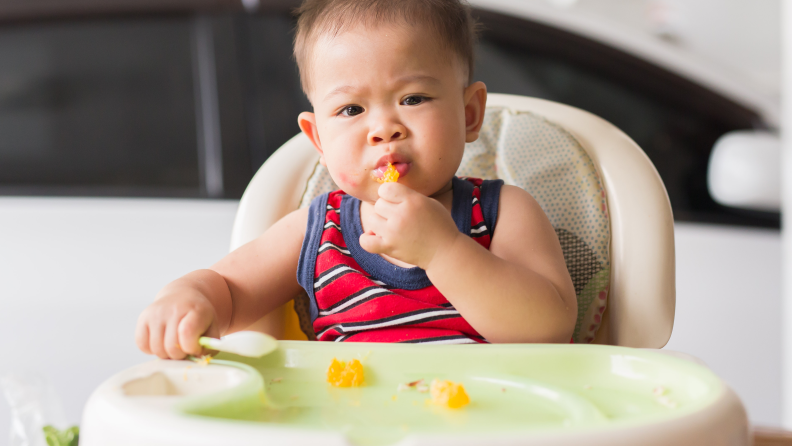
column 402, row 168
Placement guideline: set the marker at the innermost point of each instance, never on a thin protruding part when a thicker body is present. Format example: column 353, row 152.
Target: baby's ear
column 475, row 104
column 307, row 123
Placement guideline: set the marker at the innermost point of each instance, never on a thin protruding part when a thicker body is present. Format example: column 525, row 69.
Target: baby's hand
column 408, row 226
column 170, row 327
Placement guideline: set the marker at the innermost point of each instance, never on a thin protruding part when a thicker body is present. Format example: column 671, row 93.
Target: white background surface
column 75, row 274
column 728, row 310
column 786, row 205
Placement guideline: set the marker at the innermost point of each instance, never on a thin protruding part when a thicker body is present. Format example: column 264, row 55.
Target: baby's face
column 390, row 95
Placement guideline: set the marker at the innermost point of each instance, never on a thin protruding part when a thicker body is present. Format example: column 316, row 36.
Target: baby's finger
column 376, row 224
column 384, row 208
column 157, row 341
column 372, row 243
column 394, row 192
column 172, row 346
column 191, row 327
column 142, row 337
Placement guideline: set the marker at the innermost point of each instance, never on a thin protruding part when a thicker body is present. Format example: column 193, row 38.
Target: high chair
column 613, row 219
column 578, row 166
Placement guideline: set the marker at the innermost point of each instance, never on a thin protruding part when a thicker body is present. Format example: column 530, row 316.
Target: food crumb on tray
column 418, row 384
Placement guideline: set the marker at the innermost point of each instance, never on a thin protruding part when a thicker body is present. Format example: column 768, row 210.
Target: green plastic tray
column 513, row 388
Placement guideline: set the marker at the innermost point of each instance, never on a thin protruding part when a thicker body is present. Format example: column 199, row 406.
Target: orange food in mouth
column 391, row 175
column 448, row 393
column 345, row 374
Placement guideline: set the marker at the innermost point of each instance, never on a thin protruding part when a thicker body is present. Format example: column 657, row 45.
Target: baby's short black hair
column 449, row 20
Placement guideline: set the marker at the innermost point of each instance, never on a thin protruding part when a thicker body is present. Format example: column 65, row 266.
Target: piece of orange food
column 345, row 374
column 448, row 394
column 391, row 175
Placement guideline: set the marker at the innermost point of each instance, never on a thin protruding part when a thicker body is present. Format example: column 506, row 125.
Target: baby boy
column 430, row 258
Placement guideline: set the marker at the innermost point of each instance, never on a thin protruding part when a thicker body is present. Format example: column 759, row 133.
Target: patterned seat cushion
column 526, row 150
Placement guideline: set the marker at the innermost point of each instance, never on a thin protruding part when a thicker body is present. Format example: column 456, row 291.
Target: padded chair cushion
column 526, row 150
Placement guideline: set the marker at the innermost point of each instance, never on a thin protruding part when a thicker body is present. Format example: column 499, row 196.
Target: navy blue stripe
column 379, row 268
column 490, row 198
column 462, row 204
column 306, row 267
column 395, row 276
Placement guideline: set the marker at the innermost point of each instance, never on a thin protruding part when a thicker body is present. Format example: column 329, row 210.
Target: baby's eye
column 414, row 100
column 351, row 110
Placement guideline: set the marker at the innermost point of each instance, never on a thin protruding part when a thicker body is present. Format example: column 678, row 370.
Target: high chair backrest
column 600, row 191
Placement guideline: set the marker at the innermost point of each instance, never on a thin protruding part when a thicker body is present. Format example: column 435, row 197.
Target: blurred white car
column 128, row 131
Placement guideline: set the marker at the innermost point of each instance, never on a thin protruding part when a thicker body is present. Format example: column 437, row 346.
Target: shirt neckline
column 393, row 275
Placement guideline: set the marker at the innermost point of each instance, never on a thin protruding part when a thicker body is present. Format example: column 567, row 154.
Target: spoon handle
column 211, row 343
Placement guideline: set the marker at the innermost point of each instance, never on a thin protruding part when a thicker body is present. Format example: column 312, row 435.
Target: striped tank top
column 358, row 296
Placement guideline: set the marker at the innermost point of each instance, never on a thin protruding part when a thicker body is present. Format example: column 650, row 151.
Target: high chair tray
column 520, row 394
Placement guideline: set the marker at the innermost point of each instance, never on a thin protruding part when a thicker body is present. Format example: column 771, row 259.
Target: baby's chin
column 366, row 194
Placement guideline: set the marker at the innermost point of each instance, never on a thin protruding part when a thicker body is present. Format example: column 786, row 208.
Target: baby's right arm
column 231, row 295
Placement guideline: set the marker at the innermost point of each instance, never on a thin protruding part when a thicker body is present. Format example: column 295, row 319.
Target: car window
column 169, row 105
column 98, row 107
column 275, row 97
column 675, row 121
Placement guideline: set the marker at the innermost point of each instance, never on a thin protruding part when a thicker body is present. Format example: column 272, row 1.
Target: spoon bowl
column 252, row 344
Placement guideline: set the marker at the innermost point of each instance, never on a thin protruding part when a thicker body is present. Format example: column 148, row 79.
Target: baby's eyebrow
column 418, row 78
column 339, row 90
column 402, row 80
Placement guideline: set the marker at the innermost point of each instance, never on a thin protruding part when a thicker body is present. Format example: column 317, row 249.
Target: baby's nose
column 394, row 136
column 387, row 133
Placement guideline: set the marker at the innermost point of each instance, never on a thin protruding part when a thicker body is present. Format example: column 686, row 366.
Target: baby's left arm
column 518, row 291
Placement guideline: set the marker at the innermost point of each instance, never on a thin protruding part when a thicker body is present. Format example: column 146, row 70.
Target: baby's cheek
column 348, row 181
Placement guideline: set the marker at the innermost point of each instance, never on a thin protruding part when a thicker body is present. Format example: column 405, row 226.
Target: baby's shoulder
column 294, row 223
column 511, row 194
column 518, row 209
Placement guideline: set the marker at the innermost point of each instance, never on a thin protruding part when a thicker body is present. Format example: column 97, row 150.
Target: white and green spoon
column 252, row 344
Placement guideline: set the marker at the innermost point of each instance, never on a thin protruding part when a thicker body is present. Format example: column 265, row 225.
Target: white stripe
column 341, row 338
column 321, row 333
column 324, row 279
column 477, row 230
column 328, row 245
column 450, row 341
column 475, row 200
column 412, row 318
column 331, row 224
column 355, row 300
column 378, row 282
